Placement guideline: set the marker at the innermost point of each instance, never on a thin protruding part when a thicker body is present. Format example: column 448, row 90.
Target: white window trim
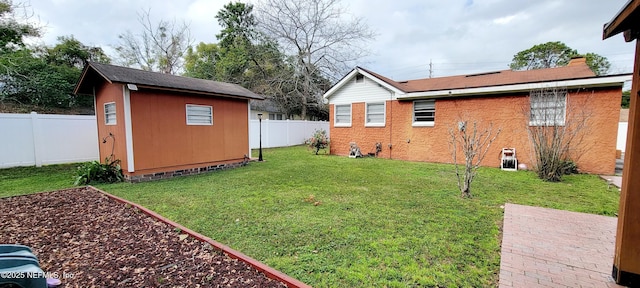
column 115, row 120
column 384, row 114
column 335, row 116
column 186, row 108
column 544, row 123
column 422, row 123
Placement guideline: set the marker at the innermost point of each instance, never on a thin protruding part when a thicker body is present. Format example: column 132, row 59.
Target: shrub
column 569, row 167
column 318, row 141
column 109, row 172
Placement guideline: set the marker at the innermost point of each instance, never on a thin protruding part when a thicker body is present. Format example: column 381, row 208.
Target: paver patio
column 544, row 247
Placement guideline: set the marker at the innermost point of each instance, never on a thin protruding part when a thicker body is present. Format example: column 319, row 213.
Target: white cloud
column 458, row 36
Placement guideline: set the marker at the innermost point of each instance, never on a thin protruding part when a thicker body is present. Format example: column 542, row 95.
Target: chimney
column 577, row 60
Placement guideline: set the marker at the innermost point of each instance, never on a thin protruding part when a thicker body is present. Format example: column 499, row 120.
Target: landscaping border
column 268, row 271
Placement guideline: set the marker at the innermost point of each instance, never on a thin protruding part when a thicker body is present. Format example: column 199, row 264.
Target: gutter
column 605, row 81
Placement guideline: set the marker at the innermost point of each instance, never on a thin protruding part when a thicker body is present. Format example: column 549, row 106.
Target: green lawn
column 379, row 222
column 27, row 180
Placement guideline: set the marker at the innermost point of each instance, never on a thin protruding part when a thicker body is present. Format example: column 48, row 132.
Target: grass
column 28, row 180
column 337, row 222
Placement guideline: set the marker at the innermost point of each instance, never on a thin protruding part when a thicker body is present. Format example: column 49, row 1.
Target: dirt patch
column 89, row 240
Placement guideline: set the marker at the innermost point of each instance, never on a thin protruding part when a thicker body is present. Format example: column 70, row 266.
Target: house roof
column 268, row 105
column 626, row 21
column 497, row 78
column 577, row 72
column 145, row 79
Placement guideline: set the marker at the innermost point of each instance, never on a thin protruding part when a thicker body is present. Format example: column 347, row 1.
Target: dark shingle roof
column 118, row 74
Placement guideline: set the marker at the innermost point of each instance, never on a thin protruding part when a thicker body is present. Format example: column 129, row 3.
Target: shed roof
column 145, row 79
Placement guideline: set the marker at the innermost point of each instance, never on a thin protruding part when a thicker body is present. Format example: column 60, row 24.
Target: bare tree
column 556, row 129
column 319, row 35
column 159, row 47
column 474, row 144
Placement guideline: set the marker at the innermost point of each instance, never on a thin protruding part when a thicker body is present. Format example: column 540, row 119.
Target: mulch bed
column 89, row 240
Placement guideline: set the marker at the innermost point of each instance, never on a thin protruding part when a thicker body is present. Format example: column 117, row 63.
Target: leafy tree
column 72, row 53
column 556, row 54
column 318, row 36
column 201, row 62
column 626, row 97
column 14, row 29
column 238, row 25
column 598, row 64
column 159, row 47
column 46, row 76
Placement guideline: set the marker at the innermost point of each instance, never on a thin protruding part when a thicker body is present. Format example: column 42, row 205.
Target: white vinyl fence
column 281, row 133
column 622, row 136
column 42, row 139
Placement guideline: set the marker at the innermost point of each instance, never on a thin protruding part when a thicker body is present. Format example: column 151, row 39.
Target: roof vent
column 482, row 74
column 403, row 82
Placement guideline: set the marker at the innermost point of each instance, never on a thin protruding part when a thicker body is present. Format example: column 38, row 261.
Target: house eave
column 349, row 77
column 195, row 92
column 603, row 81
column 623, row 22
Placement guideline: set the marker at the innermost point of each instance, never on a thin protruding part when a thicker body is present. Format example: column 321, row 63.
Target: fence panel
column 16, row 145
column 281, row 133
column 622, row 136
column 41, row 139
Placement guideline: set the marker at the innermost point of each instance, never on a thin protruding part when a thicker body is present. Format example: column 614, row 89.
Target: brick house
column 160, row 125
column 411, row 119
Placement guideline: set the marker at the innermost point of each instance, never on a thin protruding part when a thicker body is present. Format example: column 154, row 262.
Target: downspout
column 390, row 124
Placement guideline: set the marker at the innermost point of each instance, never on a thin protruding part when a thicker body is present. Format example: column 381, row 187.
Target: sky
column 415, row 38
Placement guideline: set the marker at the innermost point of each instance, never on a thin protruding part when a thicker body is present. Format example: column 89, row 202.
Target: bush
column 109, row 172
column 569, row 167
column 318, row 141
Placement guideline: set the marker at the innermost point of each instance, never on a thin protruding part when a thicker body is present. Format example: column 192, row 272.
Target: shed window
column 342, row 115
column 375, row 114
column 548, row 107
column 110, row 113
column 424, row 112
column 199, row 115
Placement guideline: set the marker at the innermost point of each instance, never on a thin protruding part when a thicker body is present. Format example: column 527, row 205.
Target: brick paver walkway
column 544, row 247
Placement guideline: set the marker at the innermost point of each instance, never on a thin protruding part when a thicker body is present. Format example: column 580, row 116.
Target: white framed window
column 548, row 107
column 359, row 78
column 342, row 115
column 374, row 114
column 424, row 112
column 275, row 116
column 199, row 114
column 110, row 113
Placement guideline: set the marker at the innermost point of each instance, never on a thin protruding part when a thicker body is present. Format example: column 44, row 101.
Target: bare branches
column 474, row 144
column 317, row 34
column 556, row 128
column 159, row 47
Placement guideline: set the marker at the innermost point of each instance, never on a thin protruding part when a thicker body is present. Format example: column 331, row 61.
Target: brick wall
column 507, row 112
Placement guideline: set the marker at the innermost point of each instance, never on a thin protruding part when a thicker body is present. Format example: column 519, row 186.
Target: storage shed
column 161, row 126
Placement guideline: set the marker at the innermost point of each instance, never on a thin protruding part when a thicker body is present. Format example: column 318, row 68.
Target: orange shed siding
column 163, row 141
column 400, row 140
column 105, row 94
